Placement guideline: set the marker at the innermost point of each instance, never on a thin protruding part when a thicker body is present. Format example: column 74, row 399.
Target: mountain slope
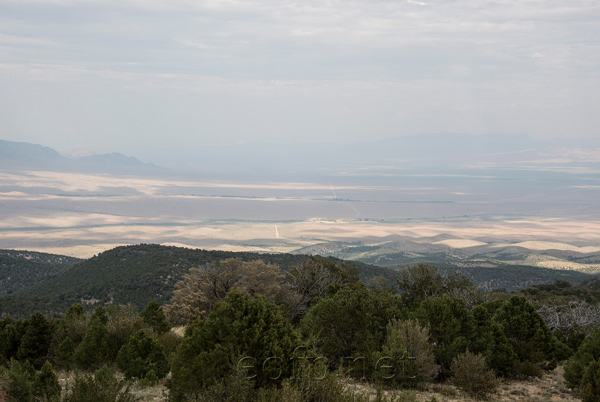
column 23, row 155
column 22, row 269
column 134, row 274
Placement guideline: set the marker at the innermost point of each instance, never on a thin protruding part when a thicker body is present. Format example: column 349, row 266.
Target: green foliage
column 590, row 383
column 488, row 339
column 122, row 323
column 45, row 384
column 154, row 317
column 135, row 274
column 587, row 352
column 241, row 331
column 350, row 323
column 470, row 373
column 64, row 353
column 17, row 382
column 36, row 339
column 22, row 269
column 234, row 387
column 75, row 323
column 450, row 326
column 93, row 351
column 425, row 281
column 407, row 356
column 528, row 335
column 103, row 386
column 9, row 339
column 140, row 356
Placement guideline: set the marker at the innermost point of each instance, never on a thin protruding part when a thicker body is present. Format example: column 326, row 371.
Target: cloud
column 397, row 66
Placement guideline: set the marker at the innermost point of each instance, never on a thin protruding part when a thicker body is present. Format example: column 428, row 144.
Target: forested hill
column 22, row 269
column 135, row 274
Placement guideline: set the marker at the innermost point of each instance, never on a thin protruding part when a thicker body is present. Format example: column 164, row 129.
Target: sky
column 145, row 76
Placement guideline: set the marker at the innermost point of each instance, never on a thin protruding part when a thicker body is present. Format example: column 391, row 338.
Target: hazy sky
column 139, row 76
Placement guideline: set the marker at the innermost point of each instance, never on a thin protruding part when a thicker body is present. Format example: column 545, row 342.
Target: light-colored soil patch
column 461, row 243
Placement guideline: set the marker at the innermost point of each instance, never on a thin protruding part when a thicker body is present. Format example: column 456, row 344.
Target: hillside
column 491, row 264
column 22, row 269
column 134, row 274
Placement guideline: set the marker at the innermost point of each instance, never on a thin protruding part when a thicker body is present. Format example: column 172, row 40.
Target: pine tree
column 64, row 353
column 590, row 383
column 45, row 384
column 35, row 341
column 141, row 355
column 93, row 351
column 153, row 316
column 241, row 330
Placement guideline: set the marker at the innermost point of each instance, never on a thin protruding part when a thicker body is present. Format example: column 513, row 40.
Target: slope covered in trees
column 22, row 269
column 137, row 274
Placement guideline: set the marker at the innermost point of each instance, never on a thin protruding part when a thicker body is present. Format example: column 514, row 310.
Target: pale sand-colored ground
column 36, row 215
column 264, row 236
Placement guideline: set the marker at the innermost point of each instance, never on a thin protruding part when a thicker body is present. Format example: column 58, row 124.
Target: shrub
column 241, row 326
column 587, row 352
column 527, row 333
column 451, row 327
column 100, row 387
column 351, row 323
column 140, row 356
column 470, row 374
column 590, row 383
column 408, row 350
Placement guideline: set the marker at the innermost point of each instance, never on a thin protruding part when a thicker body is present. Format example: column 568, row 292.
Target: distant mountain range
column 416, row 153
column 26, row 156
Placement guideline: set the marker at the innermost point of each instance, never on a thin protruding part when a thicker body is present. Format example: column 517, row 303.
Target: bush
column 590, row 384
column 528, row 334
column 140, row 356
column 470, row 374
column 587, row 352
column 451, row 327
column 408, row 350
column 350, row 323
column 241, row 326
column 101, row 387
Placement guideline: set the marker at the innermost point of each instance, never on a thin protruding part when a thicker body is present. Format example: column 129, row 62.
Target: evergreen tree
column 35, row 341
column 9, row 340
column 587, row 352
column 241, row 331
column 451, row 327
column 19, row 387
column 45, row 384
column 93, row 351
column 590, row 384
column 528, row 335
column 351, row 323
column 101, row 314
column 64, row 353
column 75, row 323
column 141, row 355
column 154, row 317
column 103, row 386
column 489, row 340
